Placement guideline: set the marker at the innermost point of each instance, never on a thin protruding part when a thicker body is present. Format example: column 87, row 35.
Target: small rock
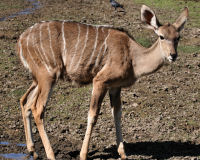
column 34, row 130
column 135, row 104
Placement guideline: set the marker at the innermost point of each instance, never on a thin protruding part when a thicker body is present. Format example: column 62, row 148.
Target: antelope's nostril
column 173, row 55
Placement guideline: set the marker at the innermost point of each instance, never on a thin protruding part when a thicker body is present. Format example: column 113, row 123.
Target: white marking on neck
column 161, row 50
column 168, row 41
column 64, row 55
column 50, row 44
column 85, row 44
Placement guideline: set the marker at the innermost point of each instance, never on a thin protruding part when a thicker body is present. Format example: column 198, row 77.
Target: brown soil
column 160, row 112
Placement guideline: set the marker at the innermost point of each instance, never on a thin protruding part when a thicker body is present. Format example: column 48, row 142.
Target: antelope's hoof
column 83, row 156
column 34, row 154
column 123, row 157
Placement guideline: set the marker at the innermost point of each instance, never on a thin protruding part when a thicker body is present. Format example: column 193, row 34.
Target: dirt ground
column 160, row 112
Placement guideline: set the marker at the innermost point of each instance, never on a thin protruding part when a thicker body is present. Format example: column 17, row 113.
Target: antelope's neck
column 146, row 60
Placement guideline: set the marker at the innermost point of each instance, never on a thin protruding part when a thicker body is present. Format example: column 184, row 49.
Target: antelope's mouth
column 172, row 58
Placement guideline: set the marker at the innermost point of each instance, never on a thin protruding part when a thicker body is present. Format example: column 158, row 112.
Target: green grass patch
column 8, row 6
column 188, row 49
column 12, row 4
column 18, row 93
column 75, row 97
column 193, row 123
column 143, row 41
column 7, row 63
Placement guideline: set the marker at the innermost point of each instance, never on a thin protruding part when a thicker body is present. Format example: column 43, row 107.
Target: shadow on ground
column 157, row 150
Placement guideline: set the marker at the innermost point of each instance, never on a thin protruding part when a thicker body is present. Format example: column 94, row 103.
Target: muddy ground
column 160, row 112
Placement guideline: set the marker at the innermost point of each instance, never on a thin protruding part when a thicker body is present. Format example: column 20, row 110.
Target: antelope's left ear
column 149, row 18
column 180, row 22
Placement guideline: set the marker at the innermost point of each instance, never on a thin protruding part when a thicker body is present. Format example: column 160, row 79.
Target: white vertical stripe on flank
column 64, row 57
column 95, row 46
column 40, row 56
column 27, row 43
column 78, row 39
column 85, row 44
column 50, row 45
column 105, row 46
column 106, row 43
column 76, row 46
column 42, row 60
column 41, row 46
column 98, row 57
column 24, row 62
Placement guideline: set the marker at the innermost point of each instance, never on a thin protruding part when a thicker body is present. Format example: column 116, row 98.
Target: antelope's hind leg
column 44, row 87
column 25, row 102
column 115, row 101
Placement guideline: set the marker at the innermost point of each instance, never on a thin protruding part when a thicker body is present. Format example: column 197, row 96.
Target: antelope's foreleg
column 25, row 102
column 98, row 94
column 115, row 101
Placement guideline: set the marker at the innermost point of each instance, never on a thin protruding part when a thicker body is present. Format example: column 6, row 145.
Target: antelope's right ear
column 149, row 18
column 180, row 22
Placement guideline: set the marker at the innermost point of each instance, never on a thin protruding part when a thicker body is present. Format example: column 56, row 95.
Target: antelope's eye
column 178, row 38
column 162, row 38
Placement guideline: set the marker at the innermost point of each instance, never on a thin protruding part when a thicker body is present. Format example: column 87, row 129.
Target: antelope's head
column 169, row 34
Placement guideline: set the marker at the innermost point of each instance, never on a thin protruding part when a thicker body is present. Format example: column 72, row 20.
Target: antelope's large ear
column 149, row 18
column 179, row 24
